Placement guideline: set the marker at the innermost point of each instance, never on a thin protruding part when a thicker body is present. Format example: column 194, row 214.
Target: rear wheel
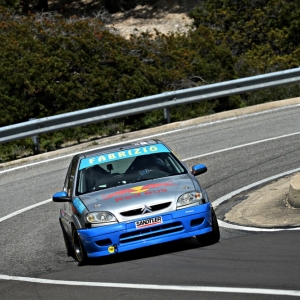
column 79, row 251
column 211, row 237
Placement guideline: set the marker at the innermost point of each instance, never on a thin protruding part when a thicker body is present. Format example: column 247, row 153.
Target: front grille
column 138, row 211
column 151, row 232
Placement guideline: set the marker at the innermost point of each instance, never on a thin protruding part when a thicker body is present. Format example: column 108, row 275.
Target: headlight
column 189, row 199
column 100, row 217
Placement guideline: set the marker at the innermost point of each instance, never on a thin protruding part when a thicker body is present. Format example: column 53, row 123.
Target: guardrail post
column 36, row 142
column 167, row 115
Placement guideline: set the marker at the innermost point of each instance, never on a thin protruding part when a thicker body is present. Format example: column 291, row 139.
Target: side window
column 67, row 177
column 69, row 181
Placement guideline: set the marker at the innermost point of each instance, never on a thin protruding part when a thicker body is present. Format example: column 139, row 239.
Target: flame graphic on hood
column 137, row 189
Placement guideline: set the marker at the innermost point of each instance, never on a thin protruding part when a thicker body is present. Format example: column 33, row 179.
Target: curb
column 294, row 192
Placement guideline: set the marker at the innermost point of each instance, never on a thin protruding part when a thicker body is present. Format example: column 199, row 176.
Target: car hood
column 133, row 196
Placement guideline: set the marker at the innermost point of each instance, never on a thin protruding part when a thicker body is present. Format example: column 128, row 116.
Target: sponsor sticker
column 148, row 222
column 109, row 157
column 78, row 205
column 138, row 191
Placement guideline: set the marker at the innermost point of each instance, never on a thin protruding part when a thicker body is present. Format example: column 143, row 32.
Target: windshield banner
column 108, row 157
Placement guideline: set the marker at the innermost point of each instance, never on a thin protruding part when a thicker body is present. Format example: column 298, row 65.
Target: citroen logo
column 146, row 209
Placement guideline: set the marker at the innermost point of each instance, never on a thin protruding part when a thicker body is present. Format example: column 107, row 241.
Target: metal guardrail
column 161, row 101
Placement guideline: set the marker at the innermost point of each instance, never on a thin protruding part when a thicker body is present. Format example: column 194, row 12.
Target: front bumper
column 179, row 224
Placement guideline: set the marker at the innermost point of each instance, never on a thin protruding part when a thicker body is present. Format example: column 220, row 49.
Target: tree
column 42, row 5
column 11, row 3
column 247, row 23
column 113, row 5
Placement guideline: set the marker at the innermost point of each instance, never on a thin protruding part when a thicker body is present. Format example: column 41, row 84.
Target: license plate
column 148, row 222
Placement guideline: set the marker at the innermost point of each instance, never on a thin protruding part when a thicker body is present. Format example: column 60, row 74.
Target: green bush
column 263, row 30
column 52, row 65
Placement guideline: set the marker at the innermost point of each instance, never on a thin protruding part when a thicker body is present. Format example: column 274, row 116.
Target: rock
column 294, row 192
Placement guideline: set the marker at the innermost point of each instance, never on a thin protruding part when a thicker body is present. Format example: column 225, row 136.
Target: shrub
column 52, row 65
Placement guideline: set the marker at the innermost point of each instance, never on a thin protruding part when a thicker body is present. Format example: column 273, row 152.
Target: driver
column 95, row 175
column 151, row 164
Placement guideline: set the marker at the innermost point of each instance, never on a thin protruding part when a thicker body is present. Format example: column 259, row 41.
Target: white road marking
column 177, row 130
column 255, row 184
column 165, row 287
column 151, row 136
column 255, row 229
column 18, row 212
column 244, row 145
column 169, row 287
column 246, row 188
column 157, row 287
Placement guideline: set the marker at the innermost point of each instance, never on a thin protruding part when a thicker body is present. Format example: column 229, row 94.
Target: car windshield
column 123, row 170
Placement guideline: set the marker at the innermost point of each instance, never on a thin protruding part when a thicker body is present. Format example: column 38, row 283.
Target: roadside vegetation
column 51, row 64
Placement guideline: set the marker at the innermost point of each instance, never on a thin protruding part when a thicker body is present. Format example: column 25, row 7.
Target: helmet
column 159, row 164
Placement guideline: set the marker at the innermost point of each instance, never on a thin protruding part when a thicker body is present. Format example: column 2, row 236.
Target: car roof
column 119, row 147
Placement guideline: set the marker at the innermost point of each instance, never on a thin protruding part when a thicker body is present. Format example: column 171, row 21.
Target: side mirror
column 61, row 197
column 198, row 169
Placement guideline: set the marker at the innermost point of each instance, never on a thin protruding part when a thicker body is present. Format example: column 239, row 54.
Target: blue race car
column 130, row 196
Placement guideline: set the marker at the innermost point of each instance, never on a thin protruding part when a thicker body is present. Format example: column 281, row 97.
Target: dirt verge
column 164, row 16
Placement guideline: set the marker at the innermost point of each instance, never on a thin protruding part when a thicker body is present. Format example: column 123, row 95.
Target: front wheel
column 213, row 236
column 80, row 253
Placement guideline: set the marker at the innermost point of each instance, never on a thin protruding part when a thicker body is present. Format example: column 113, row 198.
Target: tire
column 79, row 251
column 213, row 236
column 67, row 242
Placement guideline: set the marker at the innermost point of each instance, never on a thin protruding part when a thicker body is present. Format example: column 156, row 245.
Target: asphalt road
column 238, row 151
